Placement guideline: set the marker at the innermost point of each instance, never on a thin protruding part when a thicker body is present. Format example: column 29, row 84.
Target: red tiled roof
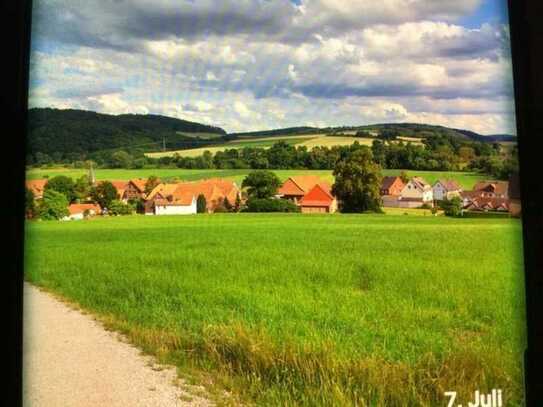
column 481, row 203
column 389, row 182
column 420, row 183
column 80, row 208
column 319, row 195
column 299, row 185
column 214, row 190
column 177, row 199
column 139, row 183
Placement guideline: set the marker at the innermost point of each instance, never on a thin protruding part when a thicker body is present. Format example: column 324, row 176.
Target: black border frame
column 526, row 36
column 526, row 39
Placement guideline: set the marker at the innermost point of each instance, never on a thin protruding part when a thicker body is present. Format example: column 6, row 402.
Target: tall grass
column 305, row 310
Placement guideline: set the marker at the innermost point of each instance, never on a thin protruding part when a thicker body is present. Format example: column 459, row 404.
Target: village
column 310, row 193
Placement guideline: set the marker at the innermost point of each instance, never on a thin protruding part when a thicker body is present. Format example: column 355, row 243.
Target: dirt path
column 69, row 359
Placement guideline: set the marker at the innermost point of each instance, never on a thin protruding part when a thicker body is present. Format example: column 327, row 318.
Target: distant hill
column 406, row 129
column 77, row 131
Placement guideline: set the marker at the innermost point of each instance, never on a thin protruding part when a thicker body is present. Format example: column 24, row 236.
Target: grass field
column 466, row 179
column 337, row 310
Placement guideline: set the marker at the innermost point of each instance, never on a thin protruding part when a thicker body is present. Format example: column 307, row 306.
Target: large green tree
column 82, row 188
column 261, row 184
column 151, row 183
column 30, row 204
column 357, row 182
column 63, row 184
column 104, row 193
column 201, row 204
column 53, row 205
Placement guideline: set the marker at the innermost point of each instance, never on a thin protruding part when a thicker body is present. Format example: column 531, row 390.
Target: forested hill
column 55, row 131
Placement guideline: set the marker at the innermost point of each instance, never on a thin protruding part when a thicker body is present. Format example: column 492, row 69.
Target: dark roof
column 450, row 184
column 498, row 187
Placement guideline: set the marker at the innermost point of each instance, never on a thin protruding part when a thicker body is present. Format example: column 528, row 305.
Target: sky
column 261, row 64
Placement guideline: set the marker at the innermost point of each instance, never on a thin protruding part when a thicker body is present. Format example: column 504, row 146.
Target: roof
column 37, row 186
column 449, row 184
column 481, row 203
column 497, row 187
column 214, row 189
column 139, row 183
column 119, row 185
column 80, row 208
column 176, row 199
column 319, row 195
column 299, row 185
column 389, row 181
column 420, row 183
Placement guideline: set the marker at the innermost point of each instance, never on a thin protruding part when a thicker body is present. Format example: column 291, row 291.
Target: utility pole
column 163, row 143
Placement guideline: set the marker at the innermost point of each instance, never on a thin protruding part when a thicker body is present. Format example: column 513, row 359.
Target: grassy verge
column 304, row 310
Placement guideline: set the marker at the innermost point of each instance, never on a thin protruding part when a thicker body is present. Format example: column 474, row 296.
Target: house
column 214, row 190
column 120, row 186
column 294, row 188
column 178, row 203
column 416, row 193
column 515, row 207
column 492, row 189
column 79, row 211
column 318, row 199
column 486, row 204
column 37, row 186
column 444, row 189
column 391, row 186
column 133, row 189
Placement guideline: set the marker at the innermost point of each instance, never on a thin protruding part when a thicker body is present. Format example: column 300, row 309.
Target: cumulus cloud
column 246, row 64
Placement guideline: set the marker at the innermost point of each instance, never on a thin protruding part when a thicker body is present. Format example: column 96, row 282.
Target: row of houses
column 499, row 196
column 164, row 199
column 310, row 193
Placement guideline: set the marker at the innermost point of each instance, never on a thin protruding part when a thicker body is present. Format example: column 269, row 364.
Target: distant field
column 466, row 179
column 308, row 140
column 202, row 136
column 304, row 310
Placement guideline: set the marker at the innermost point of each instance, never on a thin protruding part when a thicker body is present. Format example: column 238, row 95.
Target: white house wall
column 176, row 209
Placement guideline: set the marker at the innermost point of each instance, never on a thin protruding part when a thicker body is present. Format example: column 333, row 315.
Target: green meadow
column 312, row 310
column 466, row 179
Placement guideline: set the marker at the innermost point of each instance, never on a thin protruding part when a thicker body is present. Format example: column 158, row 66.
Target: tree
column 151, row 183
column 261, row 184
column 30, row 204
column 104, row 193
column 452, row 207
column 82, row 188
column 357, row 183
column 64, row 185
column 121, row 159
column 404, row 177
column 53, row 205
column 201, row 204
column 117, row 207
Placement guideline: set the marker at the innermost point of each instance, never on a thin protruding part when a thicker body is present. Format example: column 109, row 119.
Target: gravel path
column 70, row 360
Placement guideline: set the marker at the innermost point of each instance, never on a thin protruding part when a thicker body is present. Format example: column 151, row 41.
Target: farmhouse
column 178, row 203
column 445, row 189
column 294, row 188
column 391, row 186
column 79, row 211
column 486, row 204
column 415, row 193
column 492, row 189
column 37, row 186
column 214, row 190
column 319, row 199
column 130, row 190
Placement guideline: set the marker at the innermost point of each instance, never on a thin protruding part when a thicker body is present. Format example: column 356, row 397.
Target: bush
column 120, row 208
column 452, row 207
column 54, row 205
column 270, row 205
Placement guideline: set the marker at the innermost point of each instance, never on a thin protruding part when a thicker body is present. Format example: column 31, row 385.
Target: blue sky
column 254, row 64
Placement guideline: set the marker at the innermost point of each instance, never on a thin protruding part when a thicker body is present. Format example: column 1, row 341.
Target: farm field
column 290, row 309
column 466, row 179
column 308, row 140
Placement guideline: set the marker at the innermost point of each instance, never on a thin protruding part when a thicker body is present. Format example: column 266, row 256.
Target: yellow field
column 273, row 138
column 325, row 141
